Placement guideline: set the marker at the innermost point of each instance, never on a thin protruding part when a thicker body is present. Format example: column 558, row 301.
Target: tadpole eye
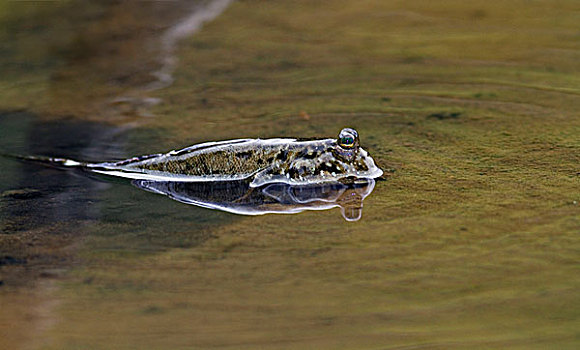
column 347, row 142
column 348, row 138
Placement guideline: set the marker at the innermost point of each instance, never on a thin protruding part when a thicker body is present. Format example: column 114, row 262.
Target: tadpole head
column 348, row 139
column 347, row 144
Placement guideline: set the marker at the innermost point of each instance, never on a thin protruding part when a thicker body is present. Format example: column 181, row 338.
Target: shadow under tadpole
column 277, row 198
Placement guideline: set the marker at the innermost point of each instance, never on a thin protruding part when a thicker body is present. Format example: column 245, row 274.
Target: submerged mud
column 472, row 242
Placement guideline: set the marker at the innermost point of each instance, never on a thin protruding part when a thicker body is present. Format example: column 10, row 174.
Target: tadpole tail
column 56, row 162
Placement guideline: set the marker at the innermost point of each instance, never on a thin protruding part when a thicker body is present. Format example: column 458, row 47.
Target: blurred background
column 470, row 107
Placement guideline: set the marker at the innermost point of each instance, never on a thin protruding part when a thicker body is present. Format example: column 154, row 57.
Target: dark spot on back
column 293, row 173
column 283, row 155
column 244, row 155
column 362, row 166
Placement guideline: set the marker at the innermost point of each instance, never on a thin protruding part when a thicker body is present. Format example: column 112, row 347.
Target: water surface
column 472, row 242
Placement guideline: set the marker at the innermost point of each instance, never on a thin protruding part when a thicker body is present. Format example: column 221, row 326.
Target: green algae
column 472, row 242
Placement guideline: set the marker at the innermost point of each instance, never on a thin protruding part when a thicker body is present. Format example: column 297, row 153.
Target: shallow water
column 470, row 108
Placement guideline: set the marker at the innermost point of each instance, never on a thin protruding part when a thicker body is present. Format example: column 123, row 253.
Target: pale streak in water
column 178, row 32
column 169, row 40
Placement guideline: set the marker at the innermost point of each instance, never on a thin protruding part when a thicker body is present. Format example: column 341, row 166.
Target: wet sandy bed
column 472, row 242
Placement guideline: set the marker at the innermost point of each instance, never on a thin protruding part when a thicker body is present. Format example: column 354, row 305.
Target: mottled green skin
column 226, row 162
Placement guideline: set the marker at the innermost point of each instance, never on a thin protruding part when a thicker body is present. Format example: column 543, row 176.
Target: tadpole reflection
column 239, row 198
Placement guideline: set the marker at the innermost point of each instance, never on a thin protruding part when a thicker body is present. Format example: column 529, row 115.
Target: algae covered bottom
column 472, row 243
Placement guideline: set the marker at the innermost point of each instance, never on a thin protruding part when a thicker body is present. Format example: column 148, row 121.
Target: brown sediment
column 31, row 262
column 475, row 230
column 471, row 243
